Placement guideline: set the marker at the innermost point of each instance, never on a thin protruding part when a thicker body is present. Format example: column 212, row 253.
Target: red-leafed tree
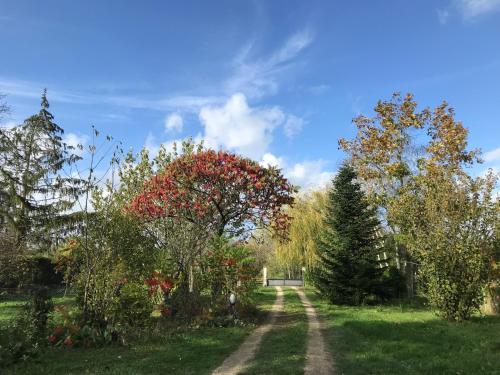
column 223, row 192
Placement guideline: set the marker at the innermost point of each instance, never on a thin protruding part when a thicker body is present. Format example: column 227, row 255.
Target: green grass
column 11, row 308
column 365, row 340
column 397, row 340
column 193, row 351
column 196, row 352
column 265, row 299
column 283, row 349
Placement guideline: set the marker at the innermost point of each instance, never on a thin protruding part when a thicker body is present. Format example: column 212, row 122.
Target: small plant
column 86, row 336
column 134, row 305
column 228, row 268
column 25, row 336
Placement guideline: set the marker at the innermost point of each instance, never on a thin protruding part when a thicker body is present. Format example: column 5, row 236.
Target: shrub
column 229, row 268
column 20, row 269
column 392, row 283
column 26, row 336
column 134, row 305
column 43, row 271
column 86, row 336
column 15, row 270
column 448, row 223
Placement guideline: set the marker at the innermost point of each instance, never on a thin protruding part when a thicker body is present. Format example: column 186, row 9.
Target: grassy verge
column 194, row 351
column 396, row 340
column 283, row 349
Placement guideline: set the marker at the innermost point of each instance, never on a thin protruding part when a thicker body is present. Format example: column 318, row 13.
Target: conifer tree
column 34, row 192
column 348, row 271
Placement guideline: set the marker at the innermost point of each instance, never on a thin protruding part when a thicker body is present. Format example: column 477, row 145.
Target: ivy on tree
column 348, row 271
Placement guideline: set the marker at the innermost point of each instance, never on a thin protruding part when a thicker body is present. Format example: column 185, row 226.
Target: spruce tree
column 348, row 271
column 35, row 193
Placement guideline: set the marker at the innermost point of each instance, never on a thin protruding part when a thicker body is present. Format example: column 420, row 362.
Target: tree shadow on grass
column 415, row 347
column 282, row 349
column 196, row 352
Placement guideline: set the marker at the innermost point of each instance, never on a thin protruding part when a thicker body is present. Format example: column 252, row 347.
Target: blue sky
column 278, row 81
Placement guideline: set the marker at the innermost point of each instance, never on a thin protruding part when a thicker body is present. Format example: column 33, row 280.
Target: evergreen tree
column 348, row 271
column 34, row 193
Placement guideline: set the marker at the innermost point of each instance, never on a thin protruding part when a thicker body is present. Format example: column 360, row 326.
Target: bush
column 86, row 336
column 43, row 271
column 26, row 336
column 392, row 283
column 20, row 269
column 14, row 270
column 228, row 268
column 134, row 305
column 187, row 304
column 73, row 332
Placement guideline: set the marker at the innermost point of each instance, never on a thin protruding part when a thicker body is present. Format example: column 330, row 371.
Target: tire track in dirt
column 318, row 358
column 241, row 358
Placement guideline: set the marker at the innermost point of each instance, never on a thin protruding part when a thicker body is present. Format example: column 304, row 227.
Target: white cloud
column 153, row 146
column 260, row 77
column 115, row 117
column 269, row 160
column 190, row 102
column 33, row 90
column 474, row 8
column 75, row 141
column 310, row 174
column 238, row 127
column 174, row 123
column 295, row 44
column 318, row 89
column 254, row 78
column 443, row 16
column 293, row 125
column 468, row 9
column 9, row 125
column 307, row 175
column 493, row 155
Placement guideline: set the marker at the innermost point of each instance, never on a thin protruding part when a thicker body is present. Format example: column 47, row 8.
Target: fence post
column 264, row 278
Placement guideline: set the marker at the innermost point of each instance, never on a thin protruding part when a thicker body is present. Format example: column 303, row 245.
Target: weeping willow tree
column 300, row 250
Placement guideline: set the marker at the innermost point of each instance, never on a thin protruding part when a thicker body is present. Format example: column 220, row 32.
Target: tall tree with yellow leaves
column 390, row 146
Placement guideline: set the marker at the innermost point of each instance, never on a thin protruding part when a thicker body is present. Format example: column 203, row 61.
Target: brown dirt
column 240, row 359
column 318, row 358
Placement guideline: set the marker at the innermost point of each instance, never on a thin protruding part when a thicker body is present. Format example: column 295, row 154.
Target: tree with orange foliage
column 399, row 143
column 220, row 192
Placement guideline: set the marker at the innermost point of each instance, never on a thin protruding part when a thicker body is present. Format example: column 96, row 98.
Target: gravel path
column 240, row 359
column 318, row 358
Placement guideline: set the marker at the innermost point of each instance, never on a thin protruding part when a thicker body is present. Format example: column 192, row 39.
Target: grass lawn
column 395, row 340
column 196, row 351
column 10, row 308
column 283, row 349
